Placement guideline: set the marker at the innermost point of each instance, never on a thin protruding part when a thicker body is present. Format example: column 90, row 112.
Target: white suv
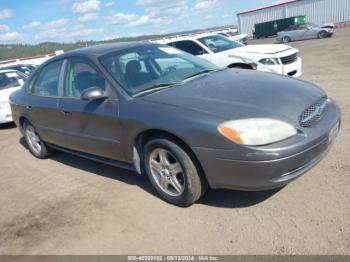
column 223, row 52
column 10, row 81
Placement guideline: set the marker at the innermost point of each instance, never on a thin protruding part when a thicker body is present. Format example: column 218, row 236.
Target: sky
column 35, row 21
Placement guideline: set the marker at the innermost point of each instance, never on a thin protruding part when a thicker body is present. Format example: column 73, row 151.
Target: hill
column 14, row 51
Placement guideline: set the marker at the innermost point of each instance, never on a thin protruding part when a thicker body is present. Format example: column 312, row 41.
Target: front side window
column 311, row 25
column 142, row 68
column 46, row 84
column 218, row 43
column 11, row 79
column 303, row 27
column 79, row 76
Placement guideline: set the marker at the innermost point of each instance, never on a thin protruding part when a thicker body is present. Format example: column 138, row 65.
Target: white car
column 223, row 52
column 10, row 81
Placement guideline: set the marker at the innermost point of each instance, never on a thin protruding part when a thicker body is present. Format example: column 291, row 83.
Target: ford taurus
column 182, row 121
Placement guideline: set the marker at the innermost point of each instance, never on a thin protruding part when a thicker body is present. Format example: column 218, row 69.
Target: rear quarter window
column 46, row 82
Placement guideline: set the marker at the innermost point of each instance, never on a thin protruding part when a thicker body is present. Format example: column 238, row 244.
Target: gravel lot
column 69, row 205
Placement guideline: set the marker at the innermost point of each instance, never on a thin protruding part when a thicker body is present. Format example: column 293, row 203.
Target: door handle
column 66, row 113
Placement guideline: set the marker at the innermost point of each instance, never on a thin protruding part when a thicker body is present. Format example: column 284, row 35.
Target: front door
column 90, row 126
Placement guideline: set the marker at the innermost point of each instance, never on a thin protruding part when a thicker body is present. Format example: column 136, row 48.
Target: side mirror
column 93, row 93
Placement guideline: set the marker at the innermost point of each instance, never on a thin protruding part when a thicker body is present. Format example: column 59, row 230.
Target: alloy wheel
column 167, row 172
column 33, row 139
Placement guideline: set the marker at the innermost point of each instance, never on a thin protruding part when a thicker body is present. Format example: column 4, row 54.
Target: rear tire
column 36, row 146
column 286, row 39
column 173, row 172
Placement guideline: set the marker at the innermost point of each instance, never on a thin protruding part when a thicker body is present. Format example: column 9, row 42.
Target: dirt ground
column 69, row 205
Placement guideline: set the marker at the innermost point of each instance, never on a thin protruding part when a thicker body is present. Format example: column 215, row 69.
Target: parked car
column 305, row 31
column 23, row 68
column 223, row 52
column 10, row 81
column 243, row 38
column 183, row 121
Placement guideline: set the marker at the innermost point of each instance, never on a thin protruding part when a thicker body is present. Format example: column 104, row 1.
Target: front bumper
column 260, row 175
column 272, row 170
column 6, row 115
column 293, row 69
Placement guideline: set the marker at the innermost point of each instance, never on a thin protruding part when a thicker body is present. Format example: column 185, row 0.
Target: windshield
column 218, row 43
column 152, row 66
column 11, row 79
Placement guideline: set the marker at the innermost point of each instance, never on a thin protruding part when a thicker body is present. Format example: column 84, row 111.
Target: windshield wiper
column 157, row 87
column 204, row 72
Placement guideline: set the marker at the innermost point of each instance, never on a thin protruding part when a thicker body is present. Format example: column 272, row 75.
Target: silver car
column 305, row 31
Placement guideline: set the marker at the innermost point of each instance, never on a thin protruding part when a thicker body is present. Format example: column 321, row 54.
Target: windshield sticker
column 170, row 50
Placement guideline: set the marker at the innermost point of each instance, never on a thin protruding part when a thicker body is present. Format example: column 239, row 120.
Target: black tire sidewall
column 193, row 190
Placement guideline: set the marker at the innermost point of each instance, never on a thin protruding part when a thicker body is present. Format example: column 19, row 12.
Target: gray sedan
column 178, row 119
column 304, row 31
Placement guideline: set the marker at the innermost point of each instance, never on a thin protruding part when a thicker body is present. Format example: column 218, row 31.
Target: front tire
column 173, row 172
column 322, row 34
column 36, row 146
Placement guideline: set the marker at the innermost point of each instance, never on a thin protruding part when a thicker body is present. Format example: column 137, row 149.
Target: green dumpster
column 271, row 28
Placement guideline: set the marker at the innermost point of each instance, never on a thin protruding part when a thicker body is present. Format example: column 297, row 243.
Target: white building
column 316, row 11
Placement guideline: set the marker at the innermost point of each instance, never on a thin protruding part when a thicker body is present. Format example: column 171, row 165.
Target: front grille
column 289, row 59
column 314, row 113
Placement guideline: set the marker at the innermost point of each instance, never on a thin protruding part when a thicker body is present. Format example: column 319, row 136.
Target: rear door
column 42, row 102
column 90, row 126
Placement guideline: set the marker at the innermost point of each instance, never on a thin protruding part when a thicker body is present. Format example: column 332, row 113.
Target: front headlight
column 269, row 61
column 4, row 105
column 256, row 131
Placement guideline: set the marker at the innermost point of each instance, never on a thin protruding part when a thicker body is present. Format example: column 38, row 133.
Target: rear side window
column 189, row 47
column 46, row 83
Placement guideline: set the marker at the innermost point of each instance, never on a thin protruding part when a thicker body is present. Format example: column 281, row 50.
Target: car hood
column 5, row 94
column 327, row 25
column 237, row 93
column 260, row 49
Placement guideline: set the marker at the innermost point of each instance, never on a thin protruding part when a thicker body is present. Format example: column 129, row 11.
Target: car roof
column 102, row 49
column 183, row 38
column 14, row 66
column 7, row 71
